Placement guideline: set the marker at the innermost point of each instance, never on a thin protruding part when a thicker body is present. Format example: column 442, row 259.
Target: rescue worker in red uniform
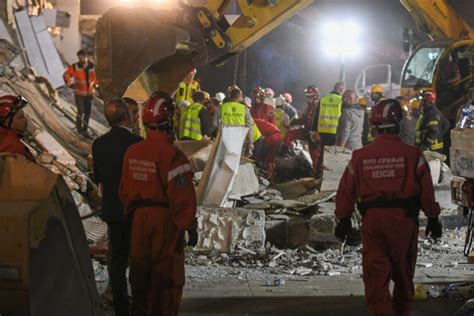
column 391, row 181
column 308, row 131
column 157, row 190
column 271, row 145
column 13, row 124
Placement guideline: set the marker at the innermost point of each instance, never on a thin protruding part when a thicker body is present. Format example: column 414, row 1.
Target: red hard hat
column 158, row 109
column 311, row 91
column 429, row 96
column 9, row 105
column 288, row 97
column 386, row 113
column 269, row 93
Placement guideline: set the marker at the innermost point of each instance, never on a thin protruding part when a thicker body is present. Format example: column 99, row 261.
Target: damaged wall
column 69, row 42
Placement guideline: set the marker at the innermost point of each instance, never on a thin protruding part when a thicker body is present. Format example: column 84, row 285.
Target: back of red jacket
column 386, row 170
column 268, row 130
column 155, row 170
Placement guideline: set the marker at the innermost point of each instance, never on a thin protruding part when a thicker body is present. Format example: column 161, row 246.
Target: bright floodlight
column 341, row 38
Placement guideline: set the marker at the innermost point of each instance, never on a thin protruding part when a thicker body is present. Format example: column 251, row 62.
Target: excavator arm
column 140, row 50
column 442, row 19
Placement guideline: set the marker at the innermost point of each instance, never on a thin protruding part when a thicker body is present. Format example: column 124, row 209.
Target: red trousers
column 157, row 263
column 389, row 239
column 316, row 150
column 266, row 155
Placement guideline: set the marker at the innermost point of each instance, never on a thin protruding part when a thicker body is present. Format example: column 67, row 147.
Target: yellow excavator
column 450, row 25
column 139, row 50
column 446, row 64
column 45, row 266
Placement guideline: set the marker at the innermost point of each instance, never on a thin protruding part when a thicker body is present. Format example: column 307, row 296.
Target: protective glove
column 192, row 238
column 343, row 228
column 434, row 229
column 314, row 136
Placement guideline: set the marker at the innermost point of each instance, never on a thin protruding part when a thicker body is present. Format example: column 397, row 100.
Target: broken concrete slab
column 226, row 229
column 222, row 167
column 335, row 162
column 245, row 183
column 190, row 147
column 298, row 188
column 298, row 231
column 435, row 168
column 321, row 229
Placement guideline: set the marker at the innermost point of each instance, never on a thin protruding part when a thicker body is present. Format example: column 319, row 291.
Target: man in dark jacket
column 108, row 152
column 351, row 122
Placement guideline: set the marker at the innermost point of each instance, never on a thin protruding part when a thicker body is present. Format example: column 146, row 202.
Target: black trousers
column 84, row 107
column 119, row 250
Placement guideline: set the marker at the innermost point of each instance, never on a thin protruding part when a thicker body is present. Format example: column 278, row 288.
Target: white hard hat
column 248, row 102
column 269, row 101
column 280, row 101
column 183, row 104
column 220, row 96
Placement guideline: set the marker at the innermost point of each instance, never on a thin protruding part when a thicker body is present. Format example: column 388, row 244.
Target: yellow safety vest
column 329, row 113
column 233, row 113
column 256, row 133
column 192, row 122
column 185, row 91
column 279, row 112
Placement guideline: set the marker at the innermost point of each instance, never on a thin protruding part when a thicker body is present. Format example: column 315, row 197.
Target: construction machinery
column 141, row 50
column 450, row 26
column 446, row 64
column 45, row 266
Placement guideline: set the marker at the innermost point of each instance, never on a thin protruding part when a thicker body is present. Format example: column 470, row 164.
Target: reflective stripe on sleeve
column 179, row 170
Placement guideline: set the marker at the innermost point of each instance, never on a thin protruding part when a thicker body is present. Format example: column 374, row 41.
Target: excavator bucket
column 141, row 49
column 45, row 266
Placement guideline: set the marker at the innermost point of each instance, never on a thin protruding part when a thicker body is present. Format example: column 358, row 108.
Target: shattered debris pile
column 303, row 262
column 30, row 66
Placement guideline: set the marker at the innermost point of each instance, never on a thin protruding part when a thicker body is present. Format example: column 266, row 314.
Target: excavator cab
column 443, row 66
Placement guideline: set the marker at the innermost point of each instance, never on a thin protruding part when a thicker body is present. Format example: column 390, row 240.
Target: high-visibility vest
column 192, row 122
column 233, row 113
column 256, row 133
column 83, row 77
column 329, row 112
column 279, row 112
column 185, row 91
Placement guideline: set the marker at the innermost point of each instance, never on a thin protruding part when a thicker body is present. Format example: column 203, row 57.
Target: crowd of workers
column 149, row 201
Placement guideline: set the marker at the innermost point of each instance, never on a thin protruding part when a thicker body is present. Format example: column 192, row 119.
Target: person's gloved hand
column 343, row 228
column 314, row 136
column 434, row 229
column 192, row 238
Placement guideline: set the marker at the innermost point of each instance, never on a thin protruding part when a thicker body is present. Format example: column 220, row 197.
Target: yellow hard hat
column 363, row 101
column 414, row 104
column 207, row 96
column 376, row 88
